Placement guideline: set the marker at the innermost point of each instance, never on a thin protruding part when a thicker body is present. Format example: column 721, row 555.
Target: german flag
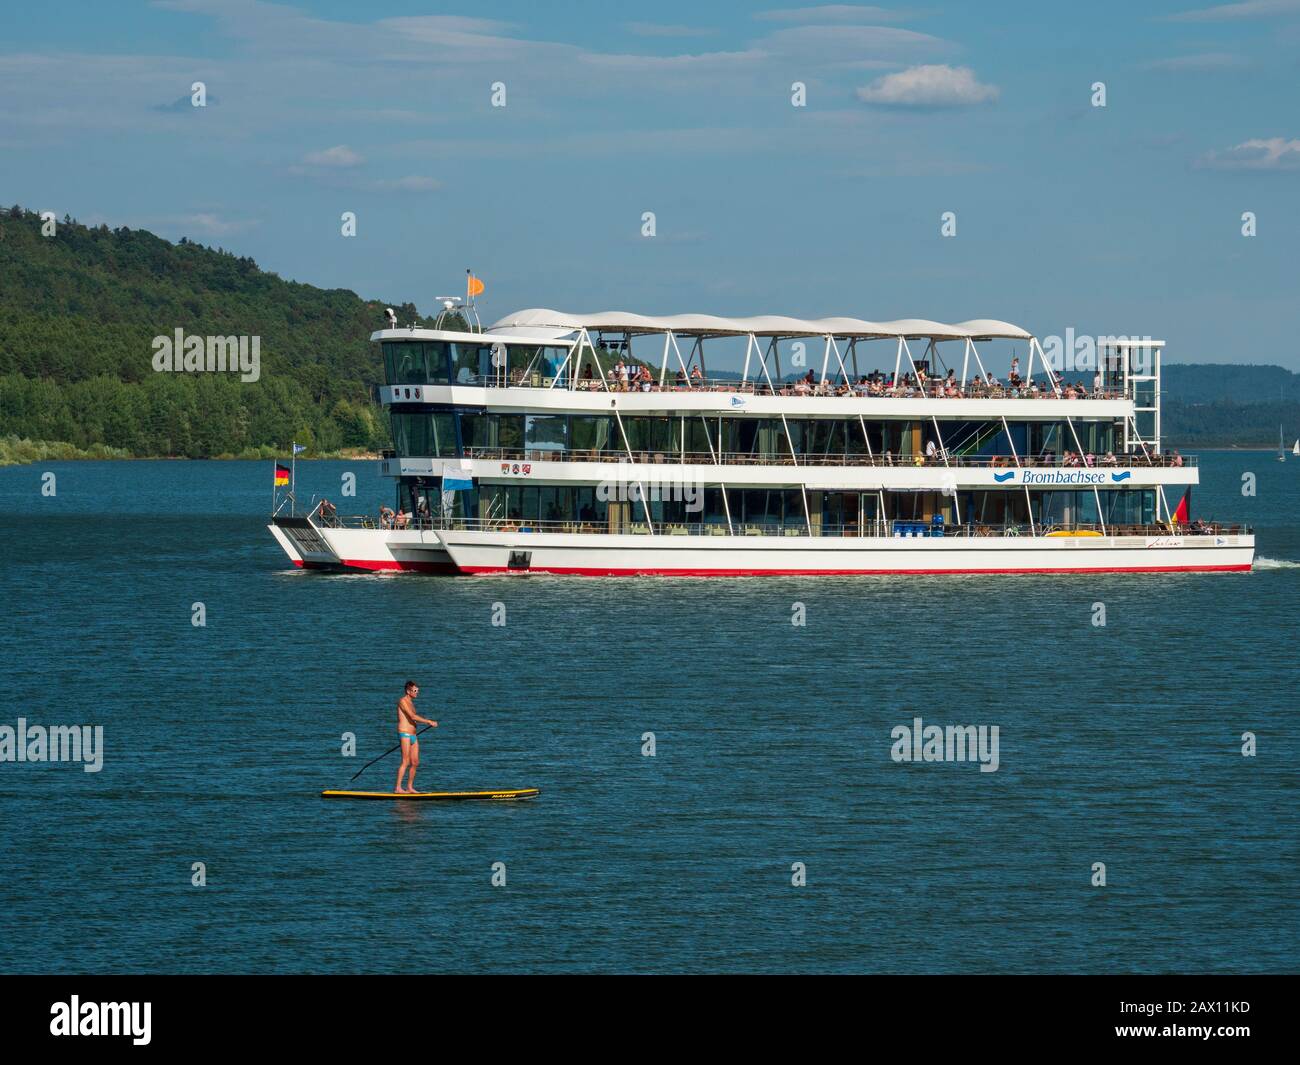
column 1181, row 515
column 281, row 474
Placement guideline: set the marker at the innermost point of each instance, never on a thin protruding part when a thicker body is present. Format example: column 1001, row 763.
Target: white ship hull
column 311, row 546
column 586, row 554
column 487, row 552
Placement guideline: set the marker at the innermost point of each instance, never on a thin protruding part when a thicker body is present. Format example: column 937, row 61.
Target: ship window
column 1130, row 507
column 409, row 362
column 698, row 436
column 510, row 430
column 827, row 437
column 546, row 432
column 477, row 430
column 469, row 363
column 420, row 434
column 592, row 432
column 766, row 506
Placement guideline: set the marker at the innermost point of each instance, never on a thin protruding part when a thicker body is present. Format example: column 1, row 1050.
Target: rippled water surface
column 1118, row 744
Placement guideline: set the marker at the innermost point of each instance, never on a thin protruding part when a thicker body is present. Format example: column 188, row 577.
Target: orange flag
column 474, row 286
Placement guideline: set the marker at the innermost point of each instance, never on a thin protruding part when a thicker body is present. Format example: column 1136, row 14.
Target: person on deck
column 407, row 722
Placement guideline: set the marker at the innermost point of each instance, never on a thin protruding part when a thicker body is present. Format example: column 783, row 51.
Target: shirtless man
column 407, row 720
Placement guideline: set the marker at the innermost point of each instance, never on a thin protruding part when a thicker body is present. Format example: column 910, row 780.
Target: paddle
column 385, row 755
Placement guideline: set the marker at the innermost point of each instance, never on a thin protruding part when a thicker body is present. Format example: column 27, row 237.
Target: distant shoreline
column 22, row 452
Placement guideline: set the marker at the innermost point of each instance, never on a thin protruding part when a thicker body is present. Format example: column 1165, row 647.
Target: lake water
column 1118, row 744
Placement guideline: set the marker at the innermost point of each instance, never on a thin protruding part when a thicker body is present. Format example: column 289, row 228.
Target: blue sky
column 1117, row 220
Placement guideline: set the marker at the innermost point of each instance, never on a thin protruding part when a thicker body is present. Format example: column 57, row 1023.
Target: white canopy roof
column 764, row 325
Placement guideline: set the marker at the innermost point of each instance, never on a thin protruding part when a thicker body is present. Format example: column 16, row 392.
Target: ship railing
column 891, row 527
column 879, row 389
column 739, row 458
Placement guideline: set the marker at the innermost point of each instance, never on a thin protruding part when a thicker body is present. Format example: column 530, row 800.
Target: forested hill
column 78, row 314
column 1219, row 382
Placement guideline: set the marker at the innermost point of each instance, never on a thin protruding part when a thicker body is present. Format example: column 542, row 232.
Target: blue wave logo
column 1002, row 478
column 736, row 401
column 1121, row 476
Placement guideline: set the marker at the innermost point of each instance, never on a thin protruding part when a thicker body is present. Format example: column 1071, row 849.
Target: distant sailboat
column 1281, row 447
column 1295, row 448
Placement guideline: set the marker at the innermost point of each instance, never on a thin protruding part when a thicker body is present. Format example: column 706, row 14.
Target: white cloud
column 413, row 183
column 1273, row 153
column 838, row 44
column 1247, row 9
column 710, row 62
column 936, row 85
column 1203, row 63
column 656, row 29
column 858, row 13
column 340, row 156
column 205, row 222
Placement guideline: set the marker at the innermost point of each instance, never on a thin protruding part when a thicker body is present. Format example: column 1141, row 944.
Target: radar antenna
column 455, row 305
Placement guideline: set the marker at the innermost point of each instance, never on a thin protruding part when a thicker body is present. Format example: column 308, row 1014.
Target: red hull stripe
column 584, row 571
column 604, row 572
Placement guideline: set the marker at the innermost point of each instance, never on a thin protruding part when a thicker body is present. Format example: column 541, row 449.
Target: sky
column 1125, row 219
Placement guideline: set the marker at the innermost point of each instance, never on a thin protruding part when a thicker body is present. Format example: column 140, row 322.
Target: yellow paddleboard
column 506, row 795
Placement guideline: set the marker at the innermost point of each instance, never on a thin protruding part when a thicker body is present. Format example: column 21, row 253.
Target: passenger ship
column 892, row 448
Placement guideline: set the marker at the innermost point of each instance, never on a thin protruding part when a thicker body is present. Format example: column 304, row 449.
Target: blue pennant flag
column 456, row 479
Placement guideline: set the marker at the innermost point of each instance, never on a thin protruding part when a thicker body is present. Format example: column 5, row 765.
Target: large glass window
column 825, row 436
column 894, row 438
column 546, row 432
column 1129, row 506
column 412, row 362
column 593, row 433
column 421, row 434
column 701, row 436
column 767, row 506
column 510, row 431
column 653, row 434
column 478, row 430
column 492, row 430
column 1050, row 440
column 469, row 363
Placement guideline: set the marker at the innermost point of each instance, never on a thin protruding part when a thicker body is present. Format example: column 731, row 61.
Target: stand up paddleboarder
column 407, row 720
